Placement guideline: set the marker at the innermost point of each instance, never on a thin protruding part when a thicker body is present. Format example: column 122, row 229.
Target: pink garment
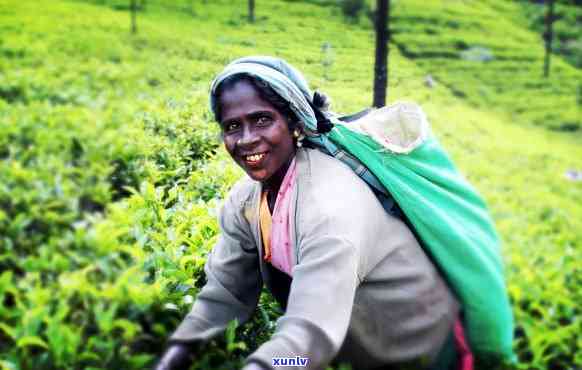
column 281, row 248
column 465, row 356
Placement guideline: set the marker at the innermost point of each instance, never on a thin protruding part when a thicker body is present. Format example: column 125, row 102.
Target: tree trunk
column 381, row 65
column 133, row 6
column 251, row 11
column 548, row 36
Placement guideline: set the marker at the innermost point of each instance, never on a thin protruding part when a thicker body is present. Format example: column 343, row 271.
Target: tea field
column 112, row 171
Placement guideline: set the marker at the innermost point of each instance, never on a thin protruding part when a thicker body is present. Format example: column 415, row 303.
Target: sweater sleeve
column 320, row 302
column 233, row 281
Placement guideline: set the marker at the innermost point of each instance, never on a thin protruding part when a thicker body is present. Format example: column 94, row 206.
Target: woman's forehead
column 240, row 99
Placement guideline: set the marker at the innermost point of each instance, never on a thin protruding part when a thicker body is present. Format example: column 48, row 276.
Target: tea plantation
column 112, row 171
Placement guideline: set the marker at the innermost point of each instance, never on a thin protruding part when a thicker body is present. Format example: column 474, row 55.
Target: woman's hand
column 176, row 357
column 253, row 366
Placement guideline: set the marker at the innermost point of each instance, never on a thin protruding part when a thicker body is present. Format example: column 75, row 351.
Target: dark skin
column 178, row 356
column 257, row 137
column 252, row 126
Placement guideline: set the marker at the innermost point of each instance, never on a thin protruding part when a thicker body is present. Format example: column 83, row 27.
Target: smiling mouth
column 253, row 159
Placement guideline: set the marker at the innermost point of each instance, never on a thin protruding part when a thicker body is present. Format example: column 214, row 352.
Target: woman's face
column 255, row 134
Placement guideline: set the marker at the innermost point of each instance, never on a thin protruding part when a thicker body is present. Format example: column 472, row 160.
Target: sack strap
column 365, row 174
column 354, row 163
column 355, row 116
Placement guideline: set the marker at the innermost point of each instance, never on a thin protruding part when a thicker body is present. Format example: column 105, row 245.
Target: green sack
column 447, row 214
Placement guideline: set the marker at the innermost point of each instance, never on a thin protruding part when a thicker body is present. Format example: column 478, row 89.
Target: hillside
column 111, row 168
column 482, row 55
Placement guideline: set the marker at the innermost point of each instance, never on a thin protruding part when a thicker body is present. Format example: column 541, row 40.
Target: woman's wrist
column 253, row 366
column 178, row 356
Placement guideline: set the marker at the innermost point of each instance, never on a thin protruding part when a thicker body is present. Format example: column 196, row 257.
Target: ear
column 294, row 123
column 291, row 124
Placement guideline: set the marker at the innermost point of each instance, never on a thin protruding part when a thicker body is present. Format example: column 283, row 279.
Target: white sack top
column 400, row 127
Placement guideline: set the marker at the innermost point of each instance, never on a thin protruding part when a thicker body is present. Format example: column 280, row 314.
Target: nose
column 248, row 138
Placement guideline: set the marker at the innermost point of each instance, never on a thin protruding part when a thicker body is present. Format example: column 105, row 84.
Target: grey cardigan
column 363, row 290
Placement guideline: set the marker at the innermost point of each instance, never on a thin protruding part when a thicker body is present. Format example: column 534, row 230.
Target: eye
column 231, row 126
column 264, row 121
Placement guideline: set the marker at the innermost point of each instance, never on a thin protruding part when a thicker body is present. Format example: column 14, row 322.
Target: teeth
column 254, row 157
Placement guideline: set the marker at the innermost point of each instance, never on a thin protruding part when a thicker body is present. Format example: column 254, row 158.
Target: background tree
column 565, row 23
column 381, row 22
column 133, row 10
column 192, row 8
column 549, row 35
column 352, row 8
column 251, row 11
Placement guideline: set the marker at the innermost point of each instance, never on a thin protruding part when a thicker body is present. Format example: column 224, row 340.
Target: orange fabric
column 265, row 224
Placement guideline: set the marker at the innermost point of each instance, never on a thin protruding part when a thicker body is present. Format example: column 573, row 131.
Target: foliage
column 111, row 173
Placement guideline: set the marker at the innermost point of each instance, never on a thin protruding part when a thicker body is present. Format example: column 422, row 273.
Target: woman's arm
column 233, row 282
column 177, row 357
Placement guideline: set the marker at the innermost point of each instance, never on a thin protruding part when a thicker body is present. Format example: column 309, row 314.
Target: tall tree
column 251, row 11
column 382, row 26
column 548, row 36
column 133, row 8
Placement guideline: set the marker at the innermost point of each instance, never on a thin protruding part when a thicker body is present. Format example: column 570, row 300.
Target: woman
column 354, row 282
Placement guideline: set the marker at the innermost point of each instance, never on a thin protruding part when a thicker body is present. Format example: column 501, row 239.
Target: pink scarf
column 280, row 240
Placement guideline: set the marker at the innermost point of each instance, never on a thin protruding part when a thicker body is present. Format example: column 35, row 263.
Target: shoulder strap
column 361, row 170
column 355, row 116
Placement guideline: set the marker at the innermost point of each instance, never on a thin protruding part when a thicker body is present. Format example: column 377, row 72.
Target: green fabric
column 455, row 229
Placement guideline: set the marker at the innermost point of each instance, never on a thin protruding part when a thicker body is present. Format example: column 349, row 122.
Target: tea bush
column 112, row 173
